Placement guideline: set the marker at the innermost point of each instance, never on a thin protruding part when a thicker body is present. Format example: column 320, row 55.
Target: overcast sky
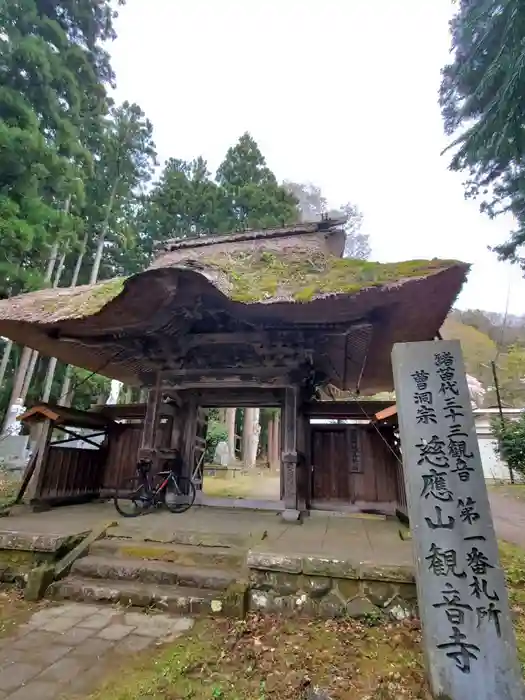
column 341, row 93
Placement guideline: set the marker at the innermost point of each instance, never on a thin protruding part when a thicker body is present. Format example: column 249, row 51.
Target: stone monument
column 467, row 629
column 222, row 454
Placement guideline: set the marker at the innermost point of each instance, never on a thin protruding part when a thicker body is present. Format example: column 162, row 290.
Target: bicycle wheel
column 132, row 498
column 179, row 494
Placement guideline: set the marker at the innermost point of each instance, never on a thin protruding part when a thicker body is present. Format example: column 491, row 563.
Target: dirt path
column 508, row 514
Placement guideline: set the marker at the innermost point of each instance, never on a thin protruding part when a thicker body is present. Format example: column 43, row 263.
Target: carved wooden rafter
column 305, row 351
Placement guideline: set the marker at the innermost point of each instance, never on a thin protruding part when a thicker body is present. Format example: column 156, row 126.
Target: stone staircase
column 178, row 577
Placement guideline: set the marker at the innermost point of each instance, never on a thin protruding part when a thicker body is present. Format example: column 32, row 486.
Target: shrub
column 217, row 432
column 510, row 435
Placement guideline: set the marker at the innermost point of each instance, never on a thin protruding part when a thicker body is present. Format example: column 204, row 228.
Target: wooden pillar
column 303, row 462
column 36, row 480
column 289, row 458
column 176, row 428
column 151, row 422
column 189, row 433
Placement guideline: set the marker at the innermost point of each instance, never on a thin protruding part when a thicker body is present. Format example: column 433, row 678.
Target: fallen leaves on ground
column 271, row 658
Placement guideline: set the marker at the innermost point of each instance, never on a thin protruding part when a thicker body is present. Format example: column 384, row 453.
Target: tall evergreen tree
column 482, row 104
column 125, row 157
column 54, row 73
column 185, row 202
column 254, row 197
column 52, row 92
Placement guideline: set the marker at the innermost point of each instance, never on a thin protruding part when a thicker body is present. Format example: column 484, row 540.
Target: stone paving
column 63, row 651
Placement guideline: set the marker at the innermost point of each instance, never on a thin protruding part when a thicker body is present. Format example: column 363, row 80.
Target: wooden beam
column 242, row 396
column 344, row 409
column 249, row 373
column 268, row 337
column 233, row 384
column 131, row 410
column 385, row 414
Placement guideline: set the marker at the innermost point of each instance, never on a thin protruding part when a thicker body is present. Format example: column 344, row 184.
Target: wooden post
column 303, row 461
column 151, row 422
column 189, row 434
column 289, row 456
column 42, row 450
column 176, row 428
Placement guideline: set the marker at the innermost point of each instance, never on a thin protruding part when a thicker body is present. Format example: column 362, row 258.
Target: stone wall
column 323, row 587
column 20, row 553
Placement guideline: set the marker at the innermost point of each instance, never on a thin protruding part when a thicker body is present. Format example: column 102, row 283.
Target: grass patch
column 513, row 562
column 9, row 485
column 242, row 486
column 265, row 658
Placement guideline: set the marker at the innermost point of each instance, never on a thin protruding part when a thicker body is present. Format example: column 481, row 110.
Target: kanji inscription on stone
column 467, row 629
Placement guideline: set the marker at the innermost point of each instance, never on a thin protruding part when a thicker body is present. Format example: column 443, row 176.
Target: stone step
column 174, row 599
column 207, row 538
column 159, row 572
column 184, row 554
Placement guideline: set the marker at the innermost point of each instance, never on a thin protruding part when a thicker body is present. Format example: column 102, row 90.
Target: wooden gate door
column 330, row 465
column 353, row 465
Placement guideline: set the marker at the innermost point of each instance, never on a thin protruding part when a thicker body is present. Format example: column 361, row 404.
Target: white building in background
column 494, row 468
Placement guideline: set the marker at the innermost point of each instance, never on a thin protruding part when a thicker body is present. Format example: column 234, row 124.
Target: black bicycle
column 141, row 493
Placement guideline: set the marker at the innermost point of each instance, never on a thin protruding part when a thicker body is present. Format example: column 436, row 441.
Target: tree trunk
column 269, row 442
column 48, row 381
column 230, row 423
column 66, row 383
column 21, row 382
column 255, row 435
column 78, row 265
column 276, row 448
column 34, row 356
column 66, row 396
column 101, row 239
column 18, row 384
column 66, row 393
column 5, row 360
column 52, row 260
column 29, row 375
column 250, row 437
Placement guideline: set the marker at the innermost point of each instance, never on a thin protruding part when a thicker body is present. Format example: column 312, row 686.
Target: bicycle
column 176, row 492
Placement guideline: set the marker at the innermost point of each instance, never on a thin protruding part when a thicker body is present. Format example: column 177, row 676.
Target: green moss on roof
column 101, row 295
column 87, row 301
column 245, row 276
column 263, row 275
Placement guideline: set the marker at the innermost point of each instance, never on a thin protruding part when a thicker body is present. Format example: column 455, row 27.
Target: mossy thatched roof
column 283, row 277
column 244, row 277
column 267, row 276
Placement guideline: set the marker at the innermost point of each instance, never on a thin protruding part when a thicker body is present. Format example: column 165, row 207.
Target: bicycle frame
column 163, row 485
column 153, row 491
